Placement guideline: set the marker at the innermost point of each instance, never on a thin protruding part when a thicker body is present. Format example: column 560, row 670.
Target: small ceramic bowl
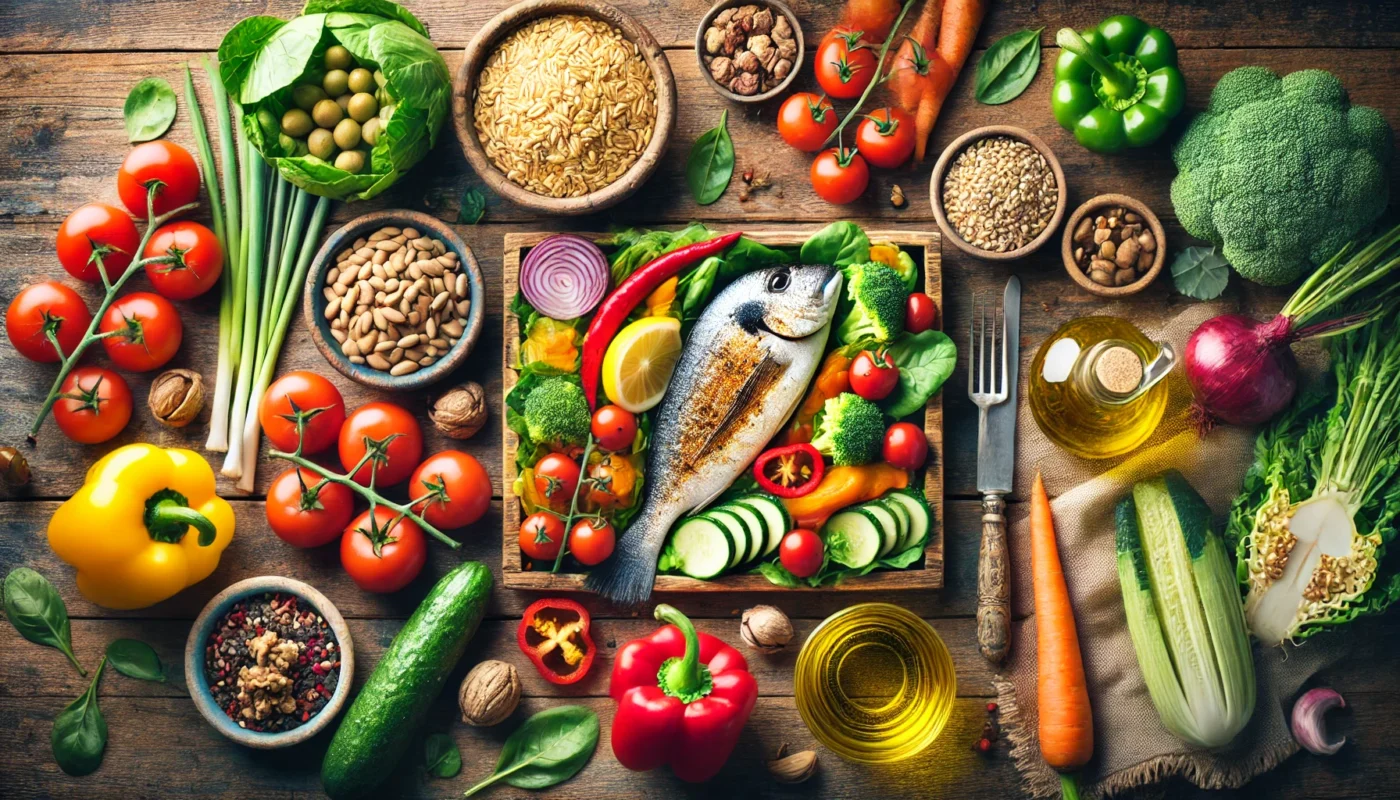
column 314, row 300
column 199, row 684
column 723, row 91
column 945, row 161
column 1090, row 209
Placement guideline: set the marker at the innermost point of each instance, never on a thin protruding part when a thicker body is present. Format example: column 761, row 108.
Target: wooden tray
column 925, row 575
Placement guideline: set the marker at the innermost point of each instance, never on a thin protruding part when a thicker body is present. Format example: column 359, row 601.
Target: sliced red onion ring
column 565, row 276
column 1308, row 726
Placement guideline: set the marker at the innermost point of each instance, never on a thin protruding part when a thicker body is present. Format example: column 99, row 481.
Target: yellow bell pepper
column 145, row 525
column 551, row 342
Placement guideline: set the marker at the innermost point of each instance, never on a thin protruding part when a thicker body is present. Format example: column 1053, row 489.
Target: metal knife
column 996, row 472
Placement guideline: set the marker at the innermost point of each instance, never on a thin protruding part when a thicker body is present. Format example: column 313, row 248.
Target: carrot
column 957, row 31
column 910, row 73
column 1066, row 720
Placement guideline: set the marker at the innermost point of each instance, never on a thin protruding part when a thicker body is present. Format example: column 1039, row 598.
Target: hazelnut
column 176, row 398
column 14, row 468
column 765, row 628
column 461, row 412
column 722, row 69
column 489, row 693
column 1108, row 250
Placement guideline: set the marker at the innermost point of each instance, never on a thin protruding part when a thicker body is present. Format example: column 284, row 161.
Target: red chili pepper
column 682, row 699
column 618, row 305
column 554, row 633
column 791, row 471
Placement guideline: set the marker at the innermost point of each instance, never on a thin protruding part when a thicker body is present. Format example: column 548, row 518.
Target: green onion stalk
column 252, row 287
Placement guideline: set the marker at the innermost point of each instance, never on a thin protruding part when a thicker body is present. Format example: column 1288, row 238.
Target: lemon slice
column 639, row 362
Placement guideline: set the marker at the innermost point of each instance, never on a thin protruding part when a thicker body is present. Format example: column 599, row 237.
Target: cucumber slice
column 776, row 522
column 852, row 538
column 758, row 534
column 738, row 532
column 919, row 518
column 901, row 515
column 889, row 526
column 702, row 547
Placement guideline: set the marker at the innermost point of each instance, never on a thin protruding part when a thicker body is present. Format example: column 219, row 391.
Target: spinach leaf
column 746, row 255
column 149, row 110
column 637, row 247
column 473, row 207
column 282, row 58
column 1200, row 273
column 778, row 575
column 80, row 732
column 36, row 610
column 925, row 361
column 711, row 163
column 1008, row 67
column 442, row 756
column 551, row 747
column 839, row 244
column 135, row 659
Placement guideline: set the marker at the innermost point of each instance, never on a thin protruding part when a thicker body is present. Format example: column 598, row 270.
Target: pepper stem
column 169, row 518
column 1116, row 82
column 684, row 678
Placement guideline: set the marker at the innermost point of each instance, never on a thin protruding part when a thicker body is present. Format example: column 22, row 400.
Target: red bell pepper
column 789, row 472
column 682, row 699
column 554, row 634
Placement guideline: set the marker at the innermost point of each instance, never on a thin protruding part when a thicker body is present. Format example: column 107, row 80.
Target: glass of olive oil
column 875, row 683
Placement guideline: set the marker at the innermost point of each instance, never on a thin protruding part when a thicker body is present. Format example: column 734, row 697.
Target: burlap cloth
column 1130, row 745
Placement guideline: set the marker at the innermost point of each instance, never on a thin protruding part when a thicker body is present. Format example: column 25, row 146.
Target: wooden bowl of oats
column 539, row 126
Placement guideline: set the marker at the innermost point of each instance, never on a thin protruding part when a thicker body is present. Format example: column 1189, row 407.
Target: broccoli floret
column 878, row 297
column 556, row 413
column 850, row 429
column 1280, row 173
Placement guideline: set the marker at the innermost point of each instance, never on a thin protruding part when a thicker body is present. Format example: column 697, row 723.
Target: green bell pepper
column 1116, row 85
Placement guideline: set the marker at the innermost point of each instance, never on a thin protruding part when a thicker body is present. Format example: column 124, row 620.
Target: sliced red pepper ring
column 553, row 633
column 791, row 471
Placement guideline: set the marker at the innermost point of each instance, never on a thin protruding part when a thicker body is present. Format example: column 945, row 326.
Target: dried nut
column 897, row 198
column 1131, row 217
column 489, row 693
column 722, row 69
column 745, row 84
column 1108, row 250
column 762, row 22
column 723, row 17
column 461, row 412
column 1101, row 235
column 714, row 40
column 1127, row 253
column 733, row 39
column 782, row 28
column 1145, row 260
column 782, row 69
column 1103, row 264
column 1101, row 278
column 1123, row 277
column 1084, row 231
column 794, row 768
column 176, row 398
column 1148, row 241
column 14, row 467
column 747, row 62
column 765, row 628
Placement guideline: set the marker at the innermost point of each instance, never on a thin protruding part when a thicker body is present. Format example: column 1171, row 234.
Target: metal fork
column 986, row 380
column 988, row 385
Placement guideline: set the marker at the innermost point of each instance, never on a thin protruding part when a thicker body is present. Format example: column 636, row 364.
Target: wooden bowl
column 1088, row 208
column 723, row 91
column 940, row 170
column 464, row 90
column 314, row 300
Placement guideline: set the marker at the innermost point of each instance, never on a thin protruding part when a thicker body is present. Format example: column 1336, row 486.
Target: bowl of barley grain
column 564, row 106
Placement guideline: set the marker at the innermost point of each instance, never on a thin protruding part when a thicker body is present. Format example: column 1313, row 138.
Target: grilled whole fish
column 742, row 372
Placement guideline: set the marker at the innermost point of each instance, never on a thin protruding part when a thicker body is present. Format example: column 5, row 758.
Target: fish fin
column 767, row 371
column 627, row 577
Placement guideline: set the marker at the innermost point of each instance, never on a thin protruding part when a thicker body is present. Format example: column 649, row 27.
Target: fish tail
column 628, row 576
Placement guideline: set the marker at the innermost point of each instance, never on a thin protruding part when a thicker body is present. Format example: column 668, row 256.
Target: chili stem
column 1115, row 81
column 879, row 78
column 573, row 504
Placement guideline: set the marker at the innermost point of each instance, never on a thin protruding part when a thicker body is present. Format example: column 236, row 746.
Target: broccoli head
column 556, row 413
column 1280, row 173
column 850, row 429
column 877, row 295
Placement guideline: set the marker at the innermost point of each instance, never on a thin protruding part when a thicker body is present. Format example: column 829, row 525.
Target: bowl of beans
column 998, row 193
column 269, row 662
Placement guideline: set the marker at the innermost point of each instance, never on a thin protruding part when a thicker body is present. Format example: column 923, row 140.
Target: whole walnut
column 722, row 70
column 745, row 83
column 459, row 413
column 714, row 40
column 734, row 39
column 782, row 29
column 489, row 693
column 747, row 62
column 762, row 21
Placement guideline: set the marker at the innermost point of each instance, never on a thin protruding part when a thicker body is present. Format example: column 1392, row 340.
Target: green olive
column 344, row 102
column 347, row 134
column 351, row 161
column 361, row 80
column 296, row 123
column 327, row 113
column 307, row 95
column 287, row 143
column 321, row 143
column 301, row 149
column 336, row 82
column 369, row 132
column 337, row 57
column 362, row 107
column 379, row 79
column 268, row 122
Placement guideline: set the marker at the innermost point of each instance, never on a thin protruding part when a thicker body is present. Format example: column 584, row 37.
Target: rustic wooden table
column 66, row 68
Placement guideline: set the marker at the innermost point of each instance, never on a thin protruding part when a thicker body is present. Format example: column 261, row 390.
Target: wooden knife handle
column 993, row 582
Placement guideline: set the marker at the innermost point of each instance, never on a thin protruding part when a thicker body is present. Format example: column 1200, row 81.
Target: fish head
column 792, row 302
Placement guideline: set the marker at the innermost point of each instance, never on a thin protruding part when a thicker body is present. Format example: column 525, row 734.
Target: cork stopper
column 1119, row 370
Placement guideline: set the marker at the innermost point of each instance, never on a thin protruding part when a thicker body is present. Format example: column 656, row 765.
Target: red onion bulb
column 1241, row 371
column 565, row 276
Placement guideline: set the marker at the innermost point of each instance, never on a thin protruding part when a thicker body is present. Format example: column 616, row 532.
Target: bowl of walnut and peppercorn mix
column 749, row 52
column 269, row 662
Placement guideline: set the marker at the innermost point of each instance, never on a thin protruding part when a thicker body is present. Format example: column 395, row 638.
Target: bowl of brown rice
column 564, row 106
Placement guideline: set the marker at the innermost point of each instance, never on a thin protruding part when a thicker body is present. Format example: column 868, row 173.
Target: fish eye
column 779, row 281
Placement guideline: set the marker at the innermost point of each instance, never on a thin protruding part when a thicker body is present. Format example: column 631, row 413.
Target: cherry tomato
column 592, row 540
column 801, row 553
column 376, row 423
column 92, row 229
column 556, row 477
column 920, row 313
column 805, row 120
column 840, row 175
column 304, row 512
column 200, row 259
column 146, row 331
column 845, row 64
column 48, row 305
column 402, row 551
column 540, row 536
column 302, row 391
column 163, row 161
column 94, row 405
column 460, row 490
column 615, row 428
column 905, row 446
column 886, row 137
column 613, row 479
column 874, row 375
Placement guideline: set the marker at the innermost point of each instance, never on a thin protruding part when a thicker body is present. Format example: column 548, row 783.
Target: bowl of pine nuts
column 394, row 300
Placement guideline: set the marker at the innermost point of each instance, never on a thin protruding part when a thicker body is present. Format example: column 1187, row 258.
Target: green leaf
column 441, row 756
column 240, row 46
column 36, row 610
column 1200, row 272
column 778, row 575
column 135, row 659
column 282, row 58
column 551, row 747
column 711, row 163
column 377, row 8
column 839, row 244
column 1008, row 67
column 149, row 110
column 925, row 361
column 80, row 732
column 473, row 207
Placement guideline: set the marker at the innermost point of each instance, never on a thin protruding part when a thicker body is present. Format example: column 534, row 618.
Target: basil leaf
column 1008, row 67
column 149, row 110
column 711, row 163
column 80, row 732
column 925, row 361
column 778, row 575
column 473, row 207
column 442, row 756
column 36, row 610
column 551, row 747
column 135, row 659
column 839, row 244
column 1200, row 272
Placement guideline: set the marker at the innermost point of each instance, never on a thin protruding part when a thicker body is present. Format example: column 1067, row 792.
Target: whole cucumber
column 390, row 709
